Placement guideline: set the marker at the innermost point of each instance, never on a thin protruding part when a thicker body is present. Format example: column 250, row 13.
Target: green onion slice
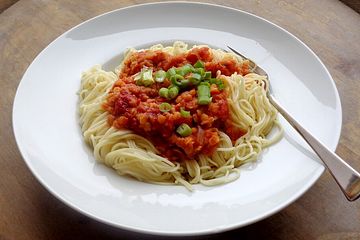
column 173, row 92
column 171, row 72
column 199, row 64
column 160, row 76
column 164, row 92
column 195, row 78
column 144, row 77
column 174, row 79
column 184, row 113
column 213, row 80
column 207, row 75
column 165, row 107
column 187, row 68
column 200, row 71
column 147, row 78
column 184, row 83
column 184, row 130
column 203, row 92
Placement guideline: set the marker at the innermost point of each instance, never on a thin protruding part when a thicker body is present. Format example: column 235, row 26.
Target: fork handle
column 345, row 176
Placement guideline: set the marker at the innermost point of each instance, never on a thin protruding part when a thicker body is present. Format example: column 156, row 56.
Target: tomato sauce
column 137, row 108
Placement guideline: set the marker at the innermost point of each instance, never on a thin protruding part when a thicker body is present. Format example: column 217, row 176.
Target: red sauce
column 137, row 107
column 162, row 60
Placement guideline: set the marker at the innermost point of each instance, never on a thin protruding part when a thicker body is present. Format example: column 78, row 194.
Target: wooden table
column 28, row 211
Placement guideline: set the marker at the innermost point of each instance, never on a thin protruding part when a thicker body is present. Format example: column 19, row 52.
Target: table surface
column 28, row 211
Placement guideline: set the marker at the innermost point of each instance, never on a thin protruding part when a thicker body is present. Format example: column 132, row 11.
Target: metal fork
column 345, row 176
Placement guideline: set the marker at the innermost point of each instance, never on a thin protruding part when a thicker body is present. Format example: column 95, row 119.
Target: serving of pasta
column 177, row 115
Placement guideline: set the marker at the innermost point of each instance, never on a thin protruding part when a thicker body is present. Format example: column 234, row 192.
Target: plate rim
column 207, row 231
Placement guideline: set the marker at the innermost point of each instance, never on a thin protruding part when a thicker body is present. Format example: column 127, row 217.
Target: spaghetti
column 199, row 133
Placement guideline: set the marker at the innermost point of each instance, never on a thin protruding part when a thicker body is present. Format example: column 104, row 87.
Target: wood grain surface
column 4, row 4
column 28, row 211
column 354, row 4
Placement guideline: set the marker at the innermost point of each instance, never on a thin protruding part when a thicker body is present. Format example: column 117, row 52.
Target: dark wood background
column 28, row 211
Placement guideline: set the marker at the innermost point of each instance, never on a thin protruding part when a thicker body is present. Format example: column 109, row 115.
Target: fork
column 345, row 176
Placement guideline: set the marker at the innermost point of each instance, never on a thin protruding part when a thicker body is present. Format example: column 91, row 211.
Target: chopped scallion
column 204, row 100
column 200, row 71
column 165, row 107
column 213, row 80
column 147, row 78
column 173, row 92
column 199, row 64
column 207, row 75
column 184, row 130
column 203, row 93
column 171, row 72
column 195, row 78
column 187, row 68
column 164, row 92
column 174, row 79
column 184, row 83
column 144, row 77
column 185, row 113
column 160, row 76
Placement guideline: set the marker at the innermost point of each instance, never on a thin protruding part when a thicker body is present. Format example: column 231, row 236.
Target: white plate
column 46, row 125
